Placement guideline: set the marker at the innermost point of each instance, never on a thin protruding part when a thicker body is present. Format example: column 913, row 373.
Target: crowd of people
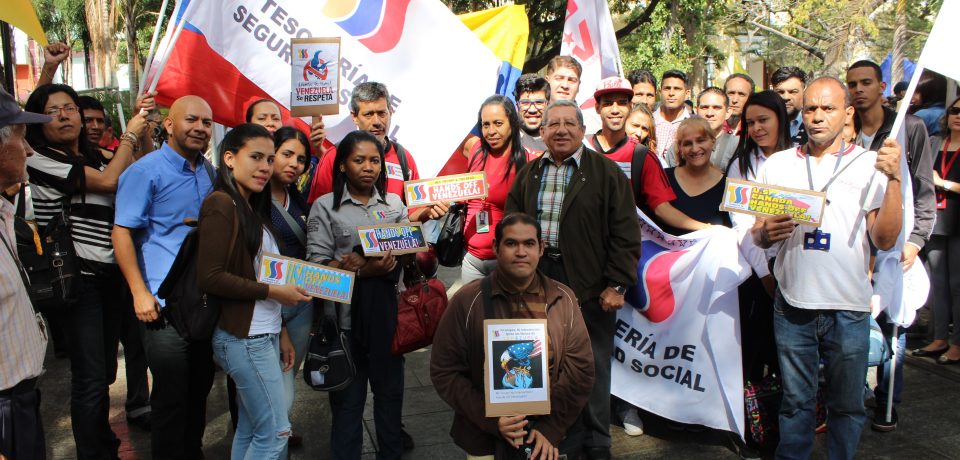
column 557, row 238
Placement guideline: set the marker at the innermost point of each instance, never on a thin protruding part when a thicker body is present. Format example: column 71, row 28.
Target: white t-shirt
column 267, row 313
column 756, row 256
column 835, row 279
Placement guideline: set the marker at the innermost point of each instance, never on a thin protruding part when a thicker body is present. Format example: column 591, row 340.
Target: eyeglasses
column 526, row 103
column 954, row 110
column 68, row 109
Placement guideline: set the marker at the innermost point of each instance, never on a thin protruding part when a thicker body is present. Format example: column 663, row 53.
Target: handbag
column 419, row 309
column 50, row 259
column 191, row 312
column 328, row 365
column 762, row 404
column 449, row 246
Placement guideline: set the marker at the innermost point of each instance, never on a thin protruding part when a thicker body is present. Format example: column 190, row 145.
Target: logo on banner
column 420, row 192
column 653, row 296
column 316, row 67
column 273, row 270
column 370, row 239
column 741, row 194
column 377, row 24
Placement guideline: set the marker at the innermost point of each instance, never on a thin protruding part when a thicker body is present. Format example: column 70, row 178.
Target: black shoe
column 880, row 422
column 921, row 353
column 142, row 421
column 407, row 440
column 744, row 450
column 597, row 453
column 947, row 361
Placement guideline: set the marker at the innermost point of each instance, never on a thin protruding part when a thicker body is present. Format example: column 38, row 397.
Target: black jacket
column 599, row 227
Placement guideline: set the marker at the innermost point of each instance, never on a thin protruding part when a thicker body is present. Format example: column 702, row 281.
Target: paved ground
column 929, row 421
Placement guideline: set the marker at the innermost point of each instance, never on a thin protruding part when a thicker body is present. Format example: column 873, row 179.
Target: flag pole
column 153, row 44
column 893, row 372
column 170, row 47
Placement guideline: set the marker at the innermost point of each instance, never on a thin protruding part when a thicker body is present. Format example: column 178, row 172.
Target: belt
column 25, row 386
column 258, row 336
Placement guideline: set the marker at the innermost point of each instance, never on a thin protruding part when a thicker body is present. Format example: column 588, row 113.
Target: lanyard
column 835, row 167
column 944, row 164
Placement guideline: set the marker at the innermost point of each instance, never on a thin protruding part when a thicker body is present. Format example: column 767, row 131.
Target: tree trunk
column 133, row 52
column 101, row 23
column 899, row 42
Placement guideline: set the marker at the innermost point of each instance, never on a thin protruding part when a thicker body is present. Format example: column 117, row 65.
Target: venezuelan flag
column 505, row 31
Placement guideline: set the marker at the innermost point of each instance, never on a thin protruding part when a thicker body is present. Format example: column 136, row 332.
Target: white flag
column 588, row 37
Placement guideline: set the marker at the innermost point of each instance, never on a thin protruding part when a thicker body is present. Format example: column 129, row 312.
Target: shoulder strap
column 402, row 156
column 22, row 202
column 636, row 170
column 291, row 222
column 486, row 291
column 208, row 167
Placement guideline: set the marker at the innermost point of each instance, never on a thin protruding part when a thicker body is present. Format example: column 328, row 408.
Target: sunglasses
column 954, row 110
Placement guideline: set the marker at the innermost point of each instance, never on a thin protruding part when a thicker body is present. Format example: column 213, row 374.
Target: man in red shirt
column 371, row 111
column 653, row 192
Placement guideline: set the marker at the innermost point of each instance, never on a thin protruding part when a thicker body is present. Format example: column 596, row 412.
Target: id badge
column 816, row 240
column 941, row 199
column 483, row 222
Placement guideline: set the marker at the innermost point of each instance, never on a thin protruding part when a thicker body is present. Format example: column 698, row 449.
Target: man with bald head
column 154, row 198
column 822, row 304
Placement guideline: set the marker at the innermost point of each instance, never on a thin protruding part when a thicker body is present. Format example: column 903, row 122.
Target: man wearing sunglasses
column 532, row 95
column 874, row 123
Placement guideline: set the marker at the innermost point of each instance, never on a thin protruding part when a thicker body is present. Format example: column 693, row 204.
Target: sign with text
column 457, row 187
column 516, row 373
column 315, row 76
column 748, row 197
column 397, row 238
column 318, row 280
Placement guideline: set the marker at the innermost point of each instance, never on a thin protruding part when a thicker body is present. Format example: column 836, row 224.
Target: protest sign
column 318, row 280
column 516, row 376
column 677, row 339
column 315, row 77
column 399, row 239
column 748, row 197
column 457, row 187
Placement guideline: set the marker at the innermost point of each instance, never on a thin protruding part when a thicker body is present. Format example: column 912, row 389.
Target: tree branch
column 790, row 39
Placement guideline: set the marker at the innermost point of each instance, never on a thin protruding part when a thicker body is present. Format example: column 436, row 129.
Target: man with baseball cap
column 23, row 334
column 649, row 184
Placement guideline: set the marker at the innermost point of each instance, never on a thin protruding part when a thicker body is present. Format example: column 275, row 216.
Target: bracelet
column 947, row 185
column 132, row 139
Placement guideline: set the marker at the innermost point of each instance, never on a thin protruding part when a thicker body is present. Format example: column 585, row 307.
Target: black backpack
column 640, row 153
column 189, row 310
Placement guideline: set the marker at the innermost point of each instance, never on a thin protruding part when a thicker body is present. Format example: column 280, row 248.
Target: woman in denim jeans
column 288, row 214
column 249, row 342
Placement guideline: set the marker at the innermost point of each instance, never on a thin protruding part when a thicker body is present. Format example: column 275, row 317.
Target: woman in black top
column 944, row 245
column 697, row 183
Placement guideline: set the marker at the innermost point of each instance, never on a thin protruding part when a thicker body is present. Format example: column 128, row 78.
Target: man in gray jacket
column 874, row 123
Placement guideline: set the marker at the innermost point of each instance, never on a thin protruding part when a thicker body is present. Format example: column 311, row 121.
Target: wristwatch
column 620, row 289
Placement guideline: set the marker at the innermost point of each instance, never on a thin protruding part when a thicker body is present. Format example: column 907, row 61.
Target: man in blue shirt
column 155, row 195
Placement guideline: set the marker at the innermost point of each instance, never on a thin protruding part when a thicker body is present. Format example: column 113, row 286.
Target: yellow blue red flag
column 504, row 30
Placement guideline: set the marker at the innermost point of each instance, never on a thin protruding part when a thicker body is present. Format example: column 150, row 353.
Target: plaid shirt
column 667, row 134
column 553, row 188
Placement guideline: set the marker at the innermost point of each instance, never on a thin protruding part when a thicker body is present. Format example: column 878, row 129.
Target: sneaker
column 632, row 425
column 743, row 450
column 880, row 422
column 142, row 421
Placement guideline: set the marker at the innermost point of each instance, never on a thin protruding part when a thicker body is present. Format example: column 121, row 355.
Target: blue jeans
column 841, row 339
column 254, row 364
column 298, row 320
column 92, row 330
column 384, row 371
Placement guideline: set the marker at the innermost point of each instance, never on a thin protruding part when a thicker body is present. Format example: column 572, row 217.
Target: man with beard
column 532, row 94
column 789, row 82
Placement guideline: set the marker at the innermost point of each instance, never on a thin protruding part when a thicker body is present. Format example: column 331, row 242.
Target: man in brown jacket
column 517, row 291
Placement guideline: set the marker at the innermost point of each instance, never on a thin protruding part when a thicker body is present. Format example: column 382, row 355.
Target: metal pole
column 153, row 44
column 9, row 67
column 893, row 372
column 170, row 46
column 121, row 117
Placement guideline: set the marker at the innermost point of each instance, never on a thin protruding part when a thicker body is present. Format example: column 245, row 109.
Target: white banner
column 677, row 342
column 589, row 37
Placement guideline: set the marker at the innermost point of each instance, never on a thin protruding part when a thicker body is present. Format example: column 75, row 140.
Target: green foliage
column 62, row 20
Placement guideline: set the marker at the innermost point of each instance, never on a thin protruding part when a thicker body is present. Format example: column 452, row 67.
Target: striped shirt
column 55, row 177
column 23, row 338
column 553, row 188
column 667, row 134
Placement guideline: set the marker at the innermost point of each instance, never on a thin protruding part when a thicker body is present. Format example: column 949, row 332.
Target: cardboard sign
column 315, row 76
column 516, row 376
column 458, row 187
column 396, row 238
column 318, row 280
column 747, row 197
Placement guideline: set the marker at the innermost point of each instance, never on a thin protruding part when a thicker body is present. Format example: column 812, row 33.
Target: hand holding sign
column 888, row 159
column 287, row 294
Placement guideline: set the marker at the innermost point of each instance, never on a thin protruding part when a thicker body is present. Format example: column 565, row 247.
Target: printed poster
column 516, row 372
column 457, row 187
column 748, row 197
column 315, row 76
column 399, row 239
column 318, row 280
